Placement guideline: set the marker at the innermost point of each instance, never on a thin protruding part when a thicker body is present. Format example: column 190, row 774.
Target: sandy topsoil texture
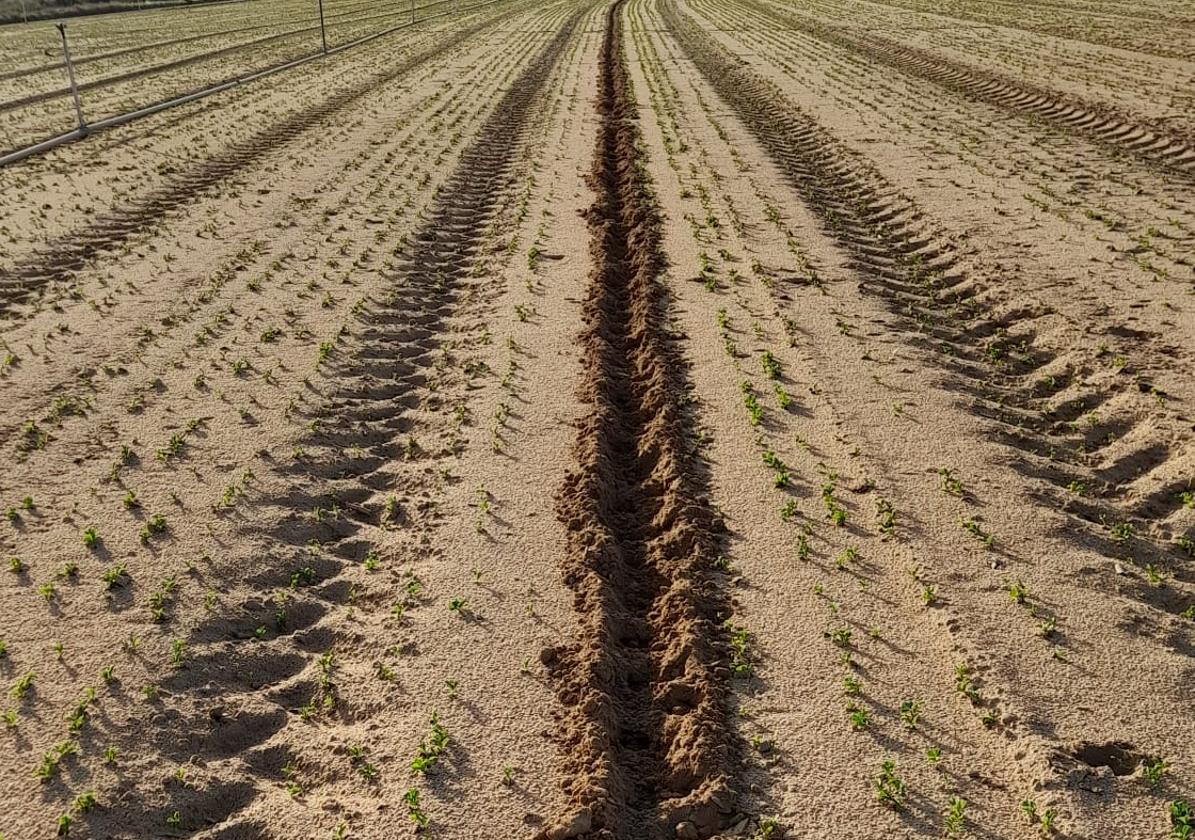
column 633, row 419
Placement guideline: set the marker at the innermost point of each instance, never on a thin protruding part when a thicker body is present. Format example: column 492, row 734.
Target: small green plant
column 740, row 651
column 21, row 687
column 153, row 526
column 972, row 527
column 963, row 683
column 1182, row 820
column 1152, row 770
column 431, row 748
column 114, row 576
column 841, row 637
column 886, row 516
column 933, row 755
column 1122, row 531
column 91, row 537
column 956, row 816
column 415, row 809
column 1048, row 817
column 889, row 788
column 1154, row 575
column 1018, row 593
column 16, row 565
column 949, row 483
column 859, row 717
column 771, row 365
column 754, row 409
column 910, row 714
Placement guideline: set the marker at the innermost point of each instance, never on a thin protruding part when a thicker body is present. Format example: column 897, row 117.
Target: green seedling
column 889, row 788
column 1182, row 820
column 1018, row 593
column 910, row 714
column 432, row 748
column 949, row 483
column 21, row 687
column 972, row 527
column 415, row 809
column 859, row 717
column 1152, row 770
column 740, row 651
column 955, row 817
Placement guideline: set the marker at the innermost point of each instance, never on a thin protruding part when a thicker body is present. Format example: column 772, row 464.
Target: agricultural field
column 601, row 419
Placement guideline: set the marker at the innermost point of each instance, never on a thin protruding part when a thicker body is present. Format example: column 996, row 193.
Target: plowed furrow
column 957, row 318
column 645, row 729
column 1098, row 122
column 108, row 231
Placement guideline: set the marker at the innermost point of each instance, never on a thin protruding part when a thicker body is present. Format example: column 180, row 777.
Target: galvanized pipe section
column 70, row 72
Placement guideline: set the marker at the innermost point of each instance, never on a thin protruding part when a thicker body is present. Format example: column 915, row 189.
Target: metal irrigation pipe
column 121, row 119
column 323, row 32
column 70, row 72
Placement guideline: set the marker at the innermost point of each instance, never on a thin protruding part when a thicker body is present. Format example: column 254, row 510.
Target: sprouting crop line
column 109, row 231
column 645, row 732
column 914, row 271
column 1097, row 122
column 1018, row 19
column 376, row 391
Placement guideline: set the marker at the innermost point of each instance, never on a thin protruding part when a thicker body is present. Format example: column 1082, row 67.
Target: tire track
column 1097, row 122
column 1027, row 19
column 646, row 736
column 355, row 461
column 111, row 229
column 1031, row 394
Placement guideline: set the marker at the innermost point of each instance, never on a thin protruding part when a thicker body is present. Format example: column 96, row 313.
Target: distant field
column 12, row 11
column 131, row 60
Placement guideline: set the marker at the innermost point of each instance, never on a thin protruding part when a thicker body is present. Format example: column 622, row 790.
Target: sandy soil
column 625, row 420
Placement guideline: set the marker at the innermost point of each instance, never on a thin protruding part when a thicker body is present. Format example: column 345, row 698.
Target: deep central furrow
column 646, row 736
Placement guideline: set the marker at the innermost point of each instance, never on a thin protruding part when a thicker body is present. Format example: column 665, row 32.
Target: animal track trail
column 258, row 682
column 646, row 739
